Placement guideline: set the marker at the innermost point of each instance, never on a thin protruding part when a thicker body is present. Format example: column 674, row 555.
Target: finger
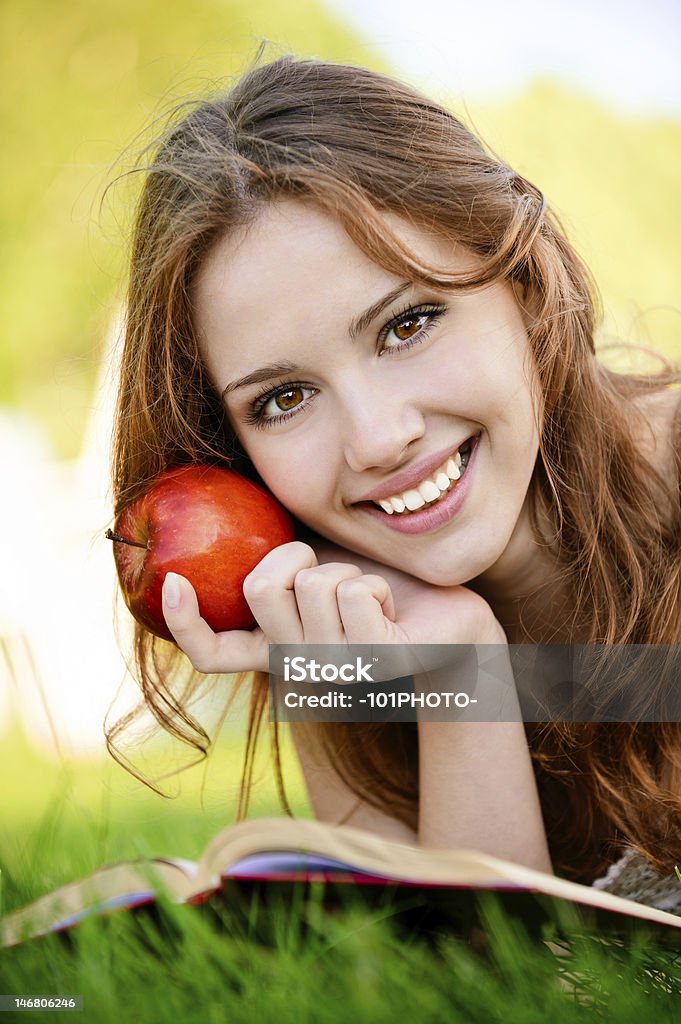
column 269, row 591
column 366, row 608
column 232, row 651
column 315, row 591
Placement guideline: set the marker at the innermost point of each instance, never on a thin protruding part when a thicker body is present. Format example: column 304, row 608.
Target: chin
column 445, row 577
column 452, row 571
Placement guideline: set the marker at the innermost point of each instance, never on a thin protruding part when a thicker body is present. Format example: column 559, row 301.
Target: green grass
column 287, row 958
column 300, row 963
column 59, row 820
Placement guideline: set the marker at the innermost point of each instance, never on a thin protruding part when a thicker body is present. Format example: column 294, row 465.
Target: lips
column 431, row 517
column 416, row 474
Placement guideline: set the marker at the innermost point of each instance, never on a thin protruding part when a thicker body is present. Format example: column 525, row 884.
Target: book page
column 372, row 854
column 115, row 886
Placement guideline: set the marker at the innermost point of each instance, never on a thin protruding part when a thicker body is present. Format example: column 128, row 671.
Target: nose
column 378, row 428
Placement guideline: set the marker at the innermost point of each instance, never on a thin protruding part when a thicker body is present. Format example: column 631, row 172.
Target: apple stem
column 110, row 535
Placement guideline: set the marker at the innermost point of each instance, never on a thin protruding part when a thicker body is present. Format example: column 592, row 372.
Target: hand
column 299, row 598
column 294, row 600
column 426, row 614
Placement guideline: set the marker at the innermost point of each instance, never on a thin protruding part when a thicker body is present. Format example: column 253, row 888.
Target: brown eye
column 409, row 326
column 289, row 399
column 280, row 404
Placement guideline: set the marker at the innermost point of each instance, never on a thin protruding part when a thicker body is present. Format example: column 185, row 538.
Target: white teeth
column 429, row 491
column 413, row 500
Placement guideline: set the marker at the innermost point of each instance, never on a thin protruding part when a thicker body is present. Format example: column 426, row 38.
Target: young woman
column 336, row 290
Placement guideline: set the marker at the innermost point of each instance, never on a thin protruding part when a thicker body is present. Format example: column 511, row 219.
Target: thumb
column 236, row 650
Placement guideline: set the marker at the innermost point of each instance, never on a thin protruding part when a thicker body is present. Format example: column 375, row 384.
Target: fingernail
column 171, row 590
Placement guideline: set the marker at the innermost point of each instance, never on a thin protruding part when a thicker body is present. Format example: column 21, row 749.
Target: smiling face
column 345, row 384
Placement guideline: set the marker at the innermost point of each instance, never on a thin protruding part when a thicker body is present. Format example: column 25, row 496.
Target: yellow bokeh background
column 79, row 81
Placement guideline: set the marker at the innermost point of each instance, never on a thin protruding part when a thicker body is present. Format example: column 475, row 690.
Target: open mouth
column 432, row 489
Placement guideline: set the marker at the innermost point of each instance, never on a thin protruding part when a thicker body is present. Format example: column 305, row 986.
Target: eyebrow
column 355, row 328
column 369, row 315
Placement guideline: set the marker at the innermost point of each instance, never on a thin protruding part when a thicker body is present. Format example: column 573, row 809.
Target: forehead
column 287, row 238
column 295, row 250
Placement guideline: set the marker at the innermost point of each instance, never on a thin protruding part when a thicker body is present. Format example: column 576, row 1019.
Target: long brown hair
column 359, row 145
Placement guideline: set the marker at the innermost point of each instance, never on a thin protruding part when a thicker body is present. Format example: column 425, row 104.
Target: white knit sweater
column 634, row 878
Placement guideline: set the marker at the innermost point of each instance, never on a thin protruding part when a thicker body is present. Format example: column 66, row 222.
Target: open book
column 294, row 850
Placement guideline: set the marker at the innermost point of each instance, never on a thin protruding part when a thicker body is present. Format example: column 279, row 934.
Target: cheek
column 509, row 400
column 287, row 471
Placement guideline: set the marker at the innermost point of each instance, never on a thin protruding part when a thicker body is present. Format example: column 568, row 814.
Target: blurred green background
column 79, row 81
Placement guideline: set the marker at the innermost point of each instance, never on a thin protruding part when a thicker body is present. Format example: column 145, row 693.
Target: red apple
column 205, row 523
